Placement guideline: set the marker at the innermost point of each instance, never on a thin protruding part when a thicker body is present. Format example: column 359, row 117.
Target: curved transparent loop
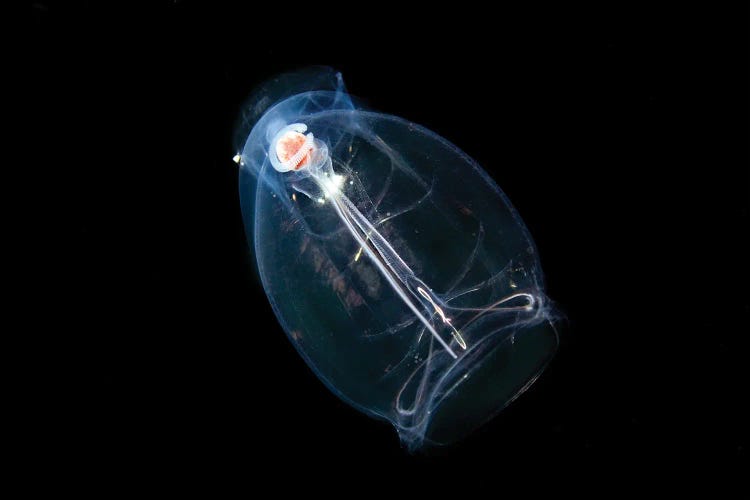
column 395, row 264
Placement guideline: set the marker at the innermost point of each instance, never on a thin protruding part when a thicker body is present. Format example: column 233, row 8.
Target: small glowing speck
column 321, row 200
column 513, row 284
column 294, row 196
column 351, row 182
column 237, row 159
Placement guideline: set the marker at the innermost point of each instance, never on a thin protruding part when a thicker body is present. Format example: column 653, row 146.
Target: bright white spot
column 332, row 185
column 321, row 200
column 237, row 158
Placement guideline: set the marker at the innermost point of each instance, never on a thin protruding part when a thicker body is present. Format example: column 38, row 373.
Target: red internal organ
column 288, row 146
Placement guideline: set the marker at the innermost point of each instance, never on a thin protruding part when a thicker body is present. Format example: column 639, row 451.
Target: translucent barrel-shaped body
column 394, row 263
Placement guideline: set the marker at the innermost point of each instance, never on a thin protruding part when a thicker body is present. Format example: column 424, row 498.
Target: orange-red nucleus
column 289, row 145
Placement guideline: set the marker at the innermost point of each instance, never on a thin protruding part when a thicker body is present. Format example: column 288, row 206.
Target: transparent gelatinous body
column 394, row 263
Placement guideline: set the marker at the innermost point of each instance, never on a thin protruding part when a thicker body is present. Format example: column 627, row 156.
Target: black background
column 619, row 133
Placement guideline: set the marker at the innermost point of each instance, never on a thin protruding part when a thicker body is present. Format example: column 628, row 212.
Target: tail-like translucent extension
column 384, row 257
column 393, row 268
